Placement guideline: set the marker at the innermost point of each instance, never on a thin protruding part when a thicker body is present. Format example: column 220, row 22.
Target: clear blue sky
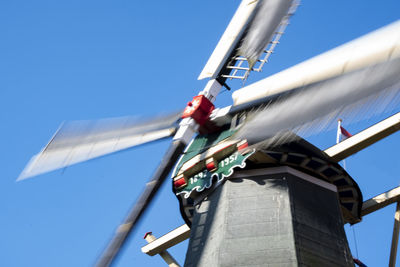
column 69, row 60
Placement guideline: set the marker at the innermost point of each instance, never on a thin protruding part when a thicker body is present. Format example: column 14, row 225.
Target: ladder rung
column 245, row 59
column 233, row 77
column 240, row 72
column 237, row 68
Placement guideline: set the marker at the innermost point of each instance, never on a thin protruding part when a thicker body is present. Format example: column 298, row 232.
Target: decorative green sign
column 204, row 179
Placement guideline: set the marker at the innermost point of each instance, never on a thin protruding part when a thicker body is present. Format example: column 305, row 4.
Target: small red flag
column 345, row 132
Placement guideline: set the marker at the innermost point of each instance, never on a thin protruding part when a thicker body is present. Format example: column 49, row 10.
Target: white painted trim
column 187, row 129
column 211, row 90
column 283, row 169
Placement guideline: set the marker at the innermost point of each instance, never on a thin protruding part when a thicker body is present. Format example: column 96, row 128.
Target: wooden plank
column 164, row 254
column 168, row 240
column 380, row 201
column 364, row 139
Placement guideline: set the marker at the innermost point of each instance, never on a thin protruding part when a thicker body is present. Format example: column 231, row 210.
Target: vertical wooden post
column 164, row 254
column 395, row 237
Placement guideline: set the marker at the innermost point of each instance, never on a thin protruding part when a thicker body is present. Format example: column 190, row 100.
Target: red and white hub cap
column 199, row 109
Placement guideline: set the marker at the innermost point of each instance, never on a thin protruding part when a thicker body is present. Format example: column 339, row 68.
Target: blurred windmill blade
column 268, row 17
column 256, row 25
column 229, row 40
column 79, row 141
column 125, row 229
column 310, row 109
column 373, row 48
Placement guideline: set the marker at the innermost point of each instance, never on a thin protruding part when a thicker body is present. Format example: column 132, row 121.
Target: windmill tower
column 177, row 146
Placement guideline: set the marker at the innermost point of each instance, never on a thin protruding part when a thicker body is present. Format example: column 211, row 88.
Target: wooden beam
column 395, row 237
column 380, row 201
column 149, row 237
column 168, row 240
column 364, row 138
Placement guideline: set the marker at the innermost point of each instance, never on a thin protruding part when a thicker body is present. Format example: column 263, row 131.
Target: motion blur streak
column 268, row 16
column 311, row 109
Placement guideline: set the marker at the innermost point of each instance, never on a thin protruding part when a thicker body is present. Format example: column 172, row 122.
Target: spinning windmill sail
column 79, row 141
column 250, row 38
column 376, row 47
column 301, row 99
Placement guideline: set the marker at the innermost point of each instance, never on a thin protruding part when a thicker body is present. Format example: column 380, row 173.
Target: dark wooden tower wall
column 269, row 217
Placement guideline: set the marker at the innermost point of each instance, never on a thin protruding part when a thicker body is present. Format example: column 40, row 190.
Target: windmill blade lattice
column 262, row 37
column 249, row 39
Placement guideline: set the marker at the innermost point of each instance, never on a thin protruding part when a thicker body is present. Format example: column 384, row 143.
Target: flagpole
column 338, row 133
column 338, row 138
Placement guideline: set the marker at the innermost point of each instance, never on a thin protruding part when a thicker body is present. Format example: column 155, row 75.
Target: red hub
column 199, row 109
